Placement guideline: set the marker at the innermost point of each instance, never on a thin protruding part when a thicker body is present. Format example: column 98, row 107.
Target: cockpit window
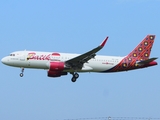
column 12, row 54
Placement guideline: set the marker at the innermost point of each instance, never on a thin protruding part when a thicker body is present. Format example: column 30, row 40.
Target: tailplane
column 145, row 62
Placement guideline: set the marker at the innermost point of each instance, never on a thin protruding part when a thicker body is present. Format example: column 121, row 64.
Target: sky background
column 76, row 26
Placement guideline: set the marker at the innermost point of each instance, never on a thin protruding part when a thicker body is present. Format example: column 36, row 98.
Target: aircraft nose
column 4, row 60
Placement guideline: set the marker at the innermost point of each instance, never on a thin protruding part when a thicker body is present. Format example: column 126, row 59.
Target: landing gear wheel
column 21, row 74
column 76, row 75
column 74, row 79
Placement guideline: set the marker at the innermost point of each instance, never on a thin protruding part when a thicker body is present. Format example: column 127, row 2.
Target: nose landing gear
column 21, row 74
column 75, row 76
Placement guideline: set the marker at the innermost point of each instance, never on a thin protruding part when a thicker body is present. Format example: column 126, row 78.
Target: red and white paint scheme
column 58, row 64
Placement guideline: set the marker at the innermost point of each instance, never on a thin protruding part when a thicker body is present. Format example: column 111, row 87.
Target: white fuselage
column 60, row 64
column 41, row 60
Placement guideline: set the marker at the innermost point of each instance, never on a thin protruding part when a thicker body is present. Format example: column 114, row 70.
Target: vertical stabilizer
column 142, row 51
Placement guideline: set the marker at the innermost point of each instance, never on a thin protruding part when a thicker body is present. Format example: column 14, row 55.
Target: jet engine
column 56, row 69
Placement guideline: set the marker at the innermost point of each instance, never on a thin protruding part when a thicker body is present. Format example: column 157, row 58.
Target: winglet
column 104, row 42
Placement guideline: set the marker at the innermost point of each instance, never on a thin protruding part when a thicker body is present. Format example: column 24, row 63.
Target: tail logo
column 141, row 52
column 140, row 49
column 145, row 43
column 151, row 37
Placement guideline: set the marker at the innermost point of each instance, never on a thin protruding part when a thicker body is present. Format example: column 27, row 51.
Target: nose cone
column 4, row 60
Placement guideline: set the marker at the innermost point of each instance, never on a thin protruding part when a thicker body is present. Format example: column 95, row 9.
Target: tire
column 21, row 74
column 74, row 79
column 76, row 75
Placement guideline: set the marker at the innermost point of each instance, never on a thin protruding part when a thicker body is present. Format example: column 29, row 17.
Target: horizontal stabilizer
column 146, row 61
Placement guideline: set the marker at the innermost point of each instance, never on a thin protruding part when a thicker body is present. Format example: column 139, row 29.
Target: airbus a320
column 60, row 64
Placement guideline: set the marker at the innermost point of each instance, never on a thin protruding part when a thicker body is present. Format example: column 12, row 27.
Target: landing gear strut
column 21, row 74
column 75, row 76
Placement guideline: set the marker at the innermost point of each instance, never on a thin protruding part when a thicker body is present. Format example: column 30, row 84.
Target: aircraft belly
column 87, row 68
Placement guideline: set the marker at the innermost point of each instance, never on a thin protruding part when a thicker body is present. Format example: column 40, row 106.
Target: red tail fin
column 142, row 51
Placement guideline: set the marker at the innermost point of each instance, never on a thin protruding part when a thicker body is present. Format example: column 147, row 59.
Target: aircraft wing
column 146, row 61
column 77, row 62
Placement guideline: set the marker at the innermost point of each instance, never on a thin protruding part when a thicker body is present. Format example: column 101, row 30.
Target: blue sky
column 76, row 27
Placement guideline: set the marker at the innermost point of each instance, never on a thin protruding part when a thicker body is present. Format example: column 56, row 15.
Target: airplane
column 60, row 64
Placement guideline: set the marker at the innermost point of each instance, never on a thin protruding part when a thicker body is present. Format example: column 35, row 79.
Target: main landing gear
column 21, row 74
column 75, row 76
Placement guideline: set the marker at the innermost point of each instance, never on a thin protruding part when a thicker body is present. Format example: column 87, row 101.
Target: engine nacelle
column 56, row 69
column 56, row 73
column 56, row 66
